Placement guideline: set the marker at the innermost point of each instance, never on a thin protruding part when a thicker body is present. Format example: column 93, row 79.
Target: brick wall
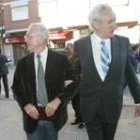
column 20, row 24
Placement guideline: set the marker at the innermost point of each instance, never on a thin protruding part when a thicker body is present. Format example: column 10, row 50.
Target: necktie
column 42, row 92
column 104, row 58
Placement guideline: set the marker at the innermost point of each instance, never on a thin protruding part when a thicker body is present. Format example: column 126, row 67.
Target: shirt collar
column 98, row 39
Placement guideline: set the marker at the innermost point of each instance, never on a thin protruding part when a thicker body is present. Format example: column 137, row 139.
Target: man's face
column 107, row 25
column 32, row 40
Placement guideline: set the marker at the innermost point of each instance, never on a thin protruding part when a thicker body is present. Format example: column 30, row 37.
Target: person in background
column 3, row 74
column 75, row 100
column 134, row 57
column 38, row 86
column 105, row 67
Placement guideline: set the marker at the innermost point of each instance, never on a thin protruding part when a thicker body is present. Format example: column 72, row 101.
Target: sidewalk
column 11, row 124
column 11, row 121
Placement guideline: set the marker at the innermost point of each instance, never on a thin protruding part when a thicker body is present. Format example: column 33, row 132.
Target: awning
column 55, row 35
column 59, row 35
column 129, row 24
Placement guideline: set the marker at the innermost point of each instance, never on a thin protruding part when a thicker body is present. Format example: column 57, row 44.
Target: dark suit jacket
column 24, row 86
column 108, row 93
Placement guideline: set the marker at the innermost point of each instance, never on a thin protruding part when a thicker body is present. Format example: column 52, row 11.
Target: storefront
column 18, row 47
column 59, row 38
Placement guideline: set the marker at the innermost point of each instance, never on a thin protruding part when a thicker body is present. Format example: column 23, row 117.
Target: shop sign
column 58, row 35
column 15, row 39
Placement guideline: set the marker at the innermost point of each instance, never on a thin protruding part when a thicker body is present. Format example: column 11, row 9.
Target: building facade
column 16, row 15
column 66, row 19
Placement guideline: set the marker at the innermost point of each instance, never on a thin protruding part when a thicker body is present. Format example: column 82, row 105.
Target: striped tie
column 104, row 58
column 42, row 92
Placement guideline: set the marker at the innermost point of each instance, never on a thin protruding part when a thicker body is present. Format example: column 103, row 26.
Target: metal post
column 2, row 29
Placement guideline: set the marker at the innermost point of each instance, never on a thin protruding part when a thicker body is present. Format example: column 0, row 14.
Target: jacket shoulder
column 56, row 54
column 120, row 37
column 82, row 39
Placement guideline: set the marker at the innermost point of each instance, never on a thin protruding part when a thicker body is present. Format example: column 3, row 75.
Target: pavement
column 11, row 127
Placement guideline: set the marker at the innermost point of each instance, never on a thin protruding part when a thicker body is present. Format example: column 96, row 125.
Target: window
column 20, row 13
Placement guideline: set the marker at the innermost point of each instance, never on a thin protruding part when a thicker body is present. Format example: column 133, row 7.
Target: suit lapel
column 114, row 55
column 32, row 71
column 48, row 71
column 114, row 52
column 91, row 58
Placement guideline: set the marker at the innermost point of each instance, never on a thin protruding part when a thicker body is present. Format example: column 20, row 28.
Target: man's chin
column 30, row 49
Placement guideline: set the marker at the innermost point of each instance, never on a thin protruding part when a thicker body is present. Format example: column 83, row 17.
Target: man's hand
column 137, row 110
column 52, row 107
column 32, row 111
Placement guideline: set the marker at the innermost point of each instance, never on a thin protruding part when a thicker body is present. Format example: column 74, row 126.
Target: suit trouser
column 76, row 106
column 99, row 129
column 5, row 83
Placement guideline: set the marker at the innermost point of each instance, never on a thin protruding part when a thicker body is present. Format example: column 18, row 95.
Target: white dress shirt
column 96, row 49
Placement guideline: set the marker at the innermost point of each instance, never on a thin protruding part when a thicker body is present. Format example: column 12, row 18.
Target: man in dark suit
column 101, row 92
column 3, row 74
column 42, row 120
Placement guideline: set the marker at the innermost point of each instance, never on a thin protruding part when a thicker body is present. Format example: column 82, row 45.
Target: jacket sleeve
column 132, row 79
column 71, row 90
column 18, row 87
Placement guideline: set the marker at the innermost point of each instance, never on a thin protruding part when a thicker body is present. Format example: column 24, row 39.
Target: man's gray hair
column 41, row 29
column 95, row 13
